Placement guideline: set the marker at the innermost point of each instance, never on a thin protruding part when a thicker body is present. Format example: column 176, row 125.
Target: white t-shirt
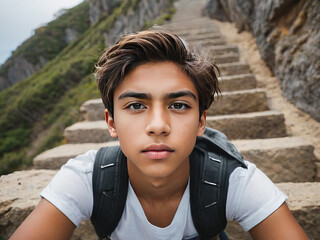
column 251, row 198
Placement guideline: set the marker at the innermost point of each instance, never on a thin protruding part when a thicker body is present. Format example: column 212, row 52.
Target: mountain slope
column 48, row 101
column 44, row 45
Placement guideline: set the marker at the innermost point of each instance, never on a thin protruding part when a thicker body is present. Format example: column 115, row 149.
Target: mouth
column 158, row 151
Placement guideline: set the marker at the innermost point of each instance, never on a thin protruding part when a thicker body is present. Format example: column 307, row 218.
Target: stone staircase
column 243, row 114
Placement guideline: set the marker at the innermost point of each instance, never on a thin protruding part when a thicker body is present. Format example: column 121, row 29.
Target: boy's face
column 156, row 118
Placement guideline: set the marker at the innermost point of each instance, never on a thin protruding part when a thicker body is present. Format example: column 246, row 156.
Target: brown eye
column 179, row 106
column 136, row 106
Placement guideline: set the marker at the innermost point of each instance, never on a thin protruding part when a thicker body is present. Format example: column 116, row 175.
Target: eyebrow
column 172, row 95
column 181, row 94
column 130, row 94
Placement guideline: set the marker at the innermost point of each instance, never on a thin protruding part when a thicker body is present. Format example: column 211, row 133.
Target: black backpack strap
column 212, row 161
column 210, row 167
column 110, row 188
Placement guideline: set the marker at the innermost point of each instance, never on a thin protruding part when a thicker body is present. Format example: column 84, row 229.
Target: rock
column 98, row 7
column 209, row 42
column 234, row 68
column 54, row 158
column 214, row 9
column 225, row 58
column 266, row 124
column 18, row 68
column 237, row 82
column 93, row 110
column 224, row 49
column 88, row 132
column 20, row 193
column 287, row 33
column 304, row 202
column 210, row 35
column 288, row 159
column 71, row 34
column 244, row 101
column 144, row 12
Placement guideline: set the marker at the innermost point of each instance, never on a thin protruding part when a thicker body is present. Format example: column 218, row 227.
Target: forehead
column 156, row 78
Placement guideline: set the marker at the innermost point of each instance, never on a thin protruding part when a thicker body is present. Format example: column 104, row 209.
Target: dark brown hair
column 154, row 46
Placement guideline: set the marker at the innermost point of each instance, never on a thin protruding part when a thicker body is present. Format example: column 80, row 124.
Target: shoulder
column 70, row 190
column 77, row 168
column 82, row 163
column 252, row 196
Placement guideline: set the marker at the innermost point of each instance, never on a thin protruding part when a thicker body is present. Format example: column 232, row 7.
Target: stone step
column 185, row 23
column 192, row 28
column 201, row 30
column 202, row 37
column 54, row 158
column 208, row 42
column 287, row 159
column 234, row 68
column 225, row 58
column 223, row 49
column 237, row 82
column 92, row 110
column 20, row 191
column 87, row 132
column 267, row 124
column 304, row 203
column 244, row 101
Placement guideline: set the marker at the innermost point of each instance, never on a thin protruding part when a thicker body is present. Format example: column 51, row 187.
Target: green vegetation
column 48, row 101
column 49, row 40
column 161, row 19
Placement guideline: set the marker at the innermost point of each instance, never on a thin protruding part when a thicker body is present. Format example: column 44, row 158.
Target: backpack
column 212, row 161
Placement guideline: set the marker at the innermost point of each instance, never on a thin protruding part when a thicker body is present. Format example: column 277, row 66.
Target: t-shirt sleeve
column 252, row 197
column 70, row 190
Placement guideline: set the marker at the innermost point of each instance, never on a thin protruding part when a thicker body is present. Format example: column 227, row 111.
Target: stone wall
column 287, row 33
column 135, row 19
column 99, row 7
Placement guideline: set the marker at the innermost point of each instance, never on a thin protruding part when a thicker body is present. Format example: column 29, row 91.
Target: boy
column 156, row 92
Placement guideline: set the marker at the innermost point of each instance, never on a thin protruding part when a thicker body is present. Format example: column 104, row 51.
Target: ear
column 111, row 124
column 202, row 123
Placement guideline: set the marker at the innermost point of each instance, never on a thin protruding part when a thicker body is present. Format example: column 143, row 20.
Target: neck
column 159, row 189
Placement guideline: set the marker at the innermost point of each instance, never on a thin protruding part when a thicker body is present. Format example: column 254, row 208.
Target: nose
column 158, row 122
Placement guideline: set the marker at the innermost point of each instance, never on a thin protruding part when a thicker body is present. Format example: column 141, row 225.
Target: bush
column 12, row 161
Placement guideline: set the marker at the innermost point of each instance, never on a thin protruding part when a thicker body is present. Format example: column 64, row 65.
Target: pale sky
column 18, row 19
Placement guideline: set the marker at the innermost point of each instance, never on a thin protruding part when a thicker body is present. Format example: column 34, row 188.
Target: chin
column 158, row 173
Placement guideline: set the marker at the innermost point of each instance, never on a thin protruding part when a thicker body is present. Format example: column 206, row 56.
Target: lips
column 158, row 151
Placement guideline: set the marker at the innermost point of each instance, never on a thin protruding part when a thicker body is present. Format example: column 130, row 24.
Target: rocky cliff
column 46, row 43
column 99, row 7
column 287, row 34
